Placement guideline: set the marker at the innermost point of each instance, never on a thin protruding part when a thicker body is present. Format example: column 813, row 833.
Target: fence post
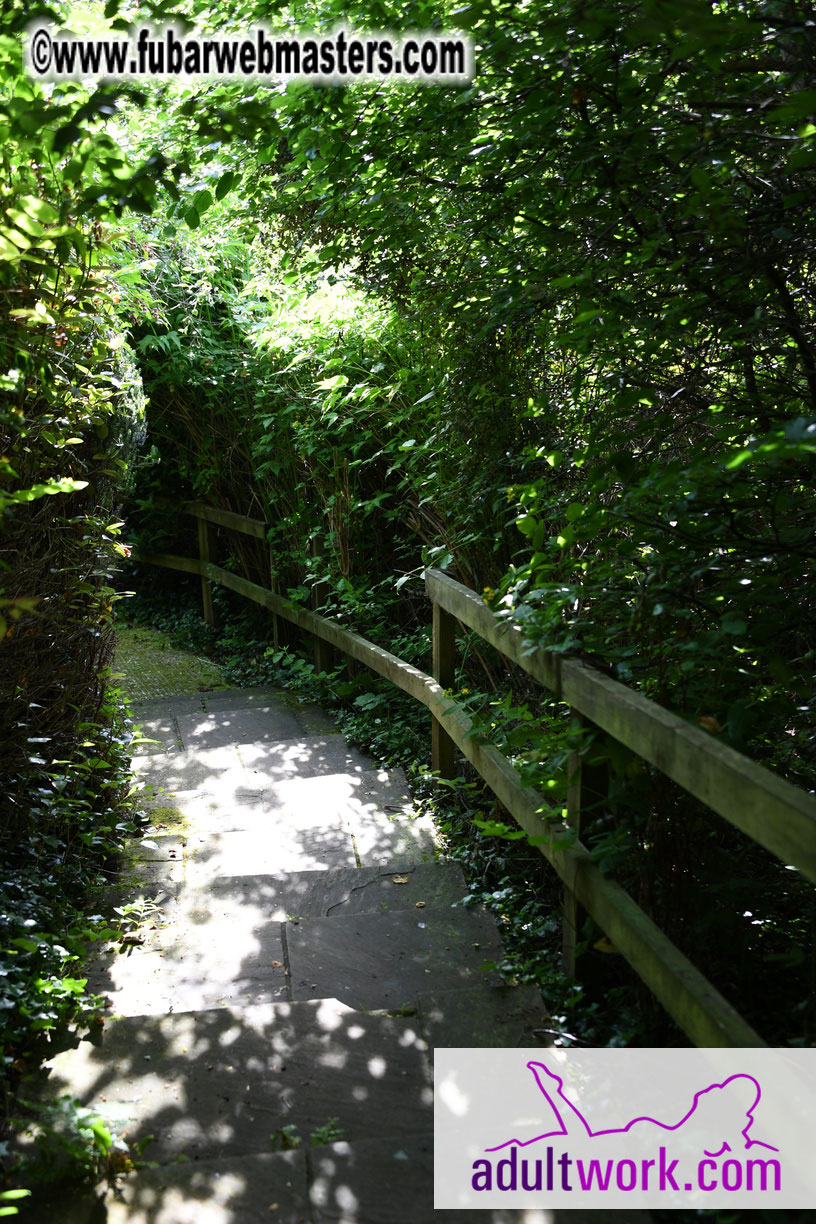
column 206, row 547
column 588, row 786
column 273, row 586
column 322, row 650
column 443, row 749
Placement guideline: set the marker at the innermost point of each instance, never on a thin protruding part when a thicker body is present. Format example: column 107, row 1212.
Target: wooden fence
column 777, row 815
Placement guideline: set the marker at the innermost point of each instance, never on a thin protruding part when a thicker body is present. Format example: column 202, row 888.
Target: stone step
column 235, row 827
column 221, row 699
column 385, row 961
column 212, row 720
column 510, row 1017
column 235, row 962
column 263, row 761
column 300, row 894
column 366, row 1181
column 362, row 890
column 223, row 1083
column 217, row 806
column 220, row 944
column 312, row 718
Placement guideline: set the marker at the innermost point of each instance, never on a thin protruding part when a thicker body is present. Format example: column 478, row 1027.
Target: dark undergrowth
column 75, row 798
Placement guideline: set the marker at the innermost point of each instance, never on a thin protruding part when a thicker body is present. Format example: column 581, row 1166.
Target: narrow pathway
column 294, row 959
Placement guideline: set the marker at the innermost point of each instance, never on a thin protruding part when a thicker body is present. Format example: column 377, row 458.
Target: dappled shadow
column 219, row 1082
column 297, row 804
column 289, row 886
column 266, row 760
column 215, row 1085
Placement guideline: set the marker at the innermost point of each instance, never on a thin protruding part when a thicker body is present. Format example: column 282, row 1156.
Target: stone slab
column 319, row 894
column 232, row 826
column 219, row 727
column 312, row 756
column 219, row 1083
column 369, row 1181
column 257, row 764
column 361, row 792
column 151, row 991
column 313, row 719
column 294, row 843
column 245, row 698
column 157, row 736
column 188, row 770
column 374, row 1181
column 504, row 1016
column 380, row 838
column 167, row 707
column 253, row 1189
column 387, row 960
column 221, row 795
column 222, row 808
column 190, row 957
column 237, row 1190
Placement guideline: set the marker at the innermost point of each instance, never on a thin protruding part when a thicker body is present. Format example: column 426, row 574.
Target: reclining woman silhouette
column 718, row 1121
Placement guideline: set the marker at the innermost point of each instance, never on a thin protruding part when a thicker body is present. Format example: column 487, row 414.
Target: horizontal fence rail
column 768, row 809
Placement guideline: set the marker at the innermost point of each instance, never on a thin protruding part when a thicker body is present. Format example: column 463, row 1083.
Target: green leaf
column 202, row 201
column 225, row 184
column 64, row 485
column 496, row 828
column 40, row 209
column 25, row 945
column 8, row 251
column 30, row 225
column 733, row 623
column 69, row 134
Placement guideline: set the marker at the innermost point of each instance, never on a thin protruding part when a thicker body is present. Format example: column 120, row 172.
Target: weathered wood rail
column 771, row 811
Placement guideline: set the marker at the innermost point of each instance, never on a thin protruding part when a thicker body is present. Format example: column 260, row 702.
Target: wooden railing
column 771, row 811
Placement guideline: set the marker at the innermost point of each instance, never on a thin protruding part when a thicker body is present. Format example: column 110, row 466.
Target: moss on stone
column 146, row 665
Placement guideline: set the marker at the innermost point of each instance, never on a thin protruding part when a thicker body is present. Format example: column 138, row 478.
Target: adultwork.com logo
column 622, row 1128
column 715, row 1113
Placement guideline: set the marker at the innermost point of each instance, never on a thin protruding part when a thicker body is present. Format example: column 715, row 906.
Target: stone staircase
column 295, row 956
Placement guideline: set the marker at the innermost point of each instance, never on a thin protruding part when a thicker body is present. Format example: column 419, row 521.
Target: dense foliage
column 70, row 404
column 606, row 243
column 596, row 265
column 553, row 331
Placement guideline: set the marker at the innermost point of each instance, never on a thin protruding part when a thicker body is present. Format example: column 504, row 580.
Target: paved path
column 295, row 958
column 147, row 666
